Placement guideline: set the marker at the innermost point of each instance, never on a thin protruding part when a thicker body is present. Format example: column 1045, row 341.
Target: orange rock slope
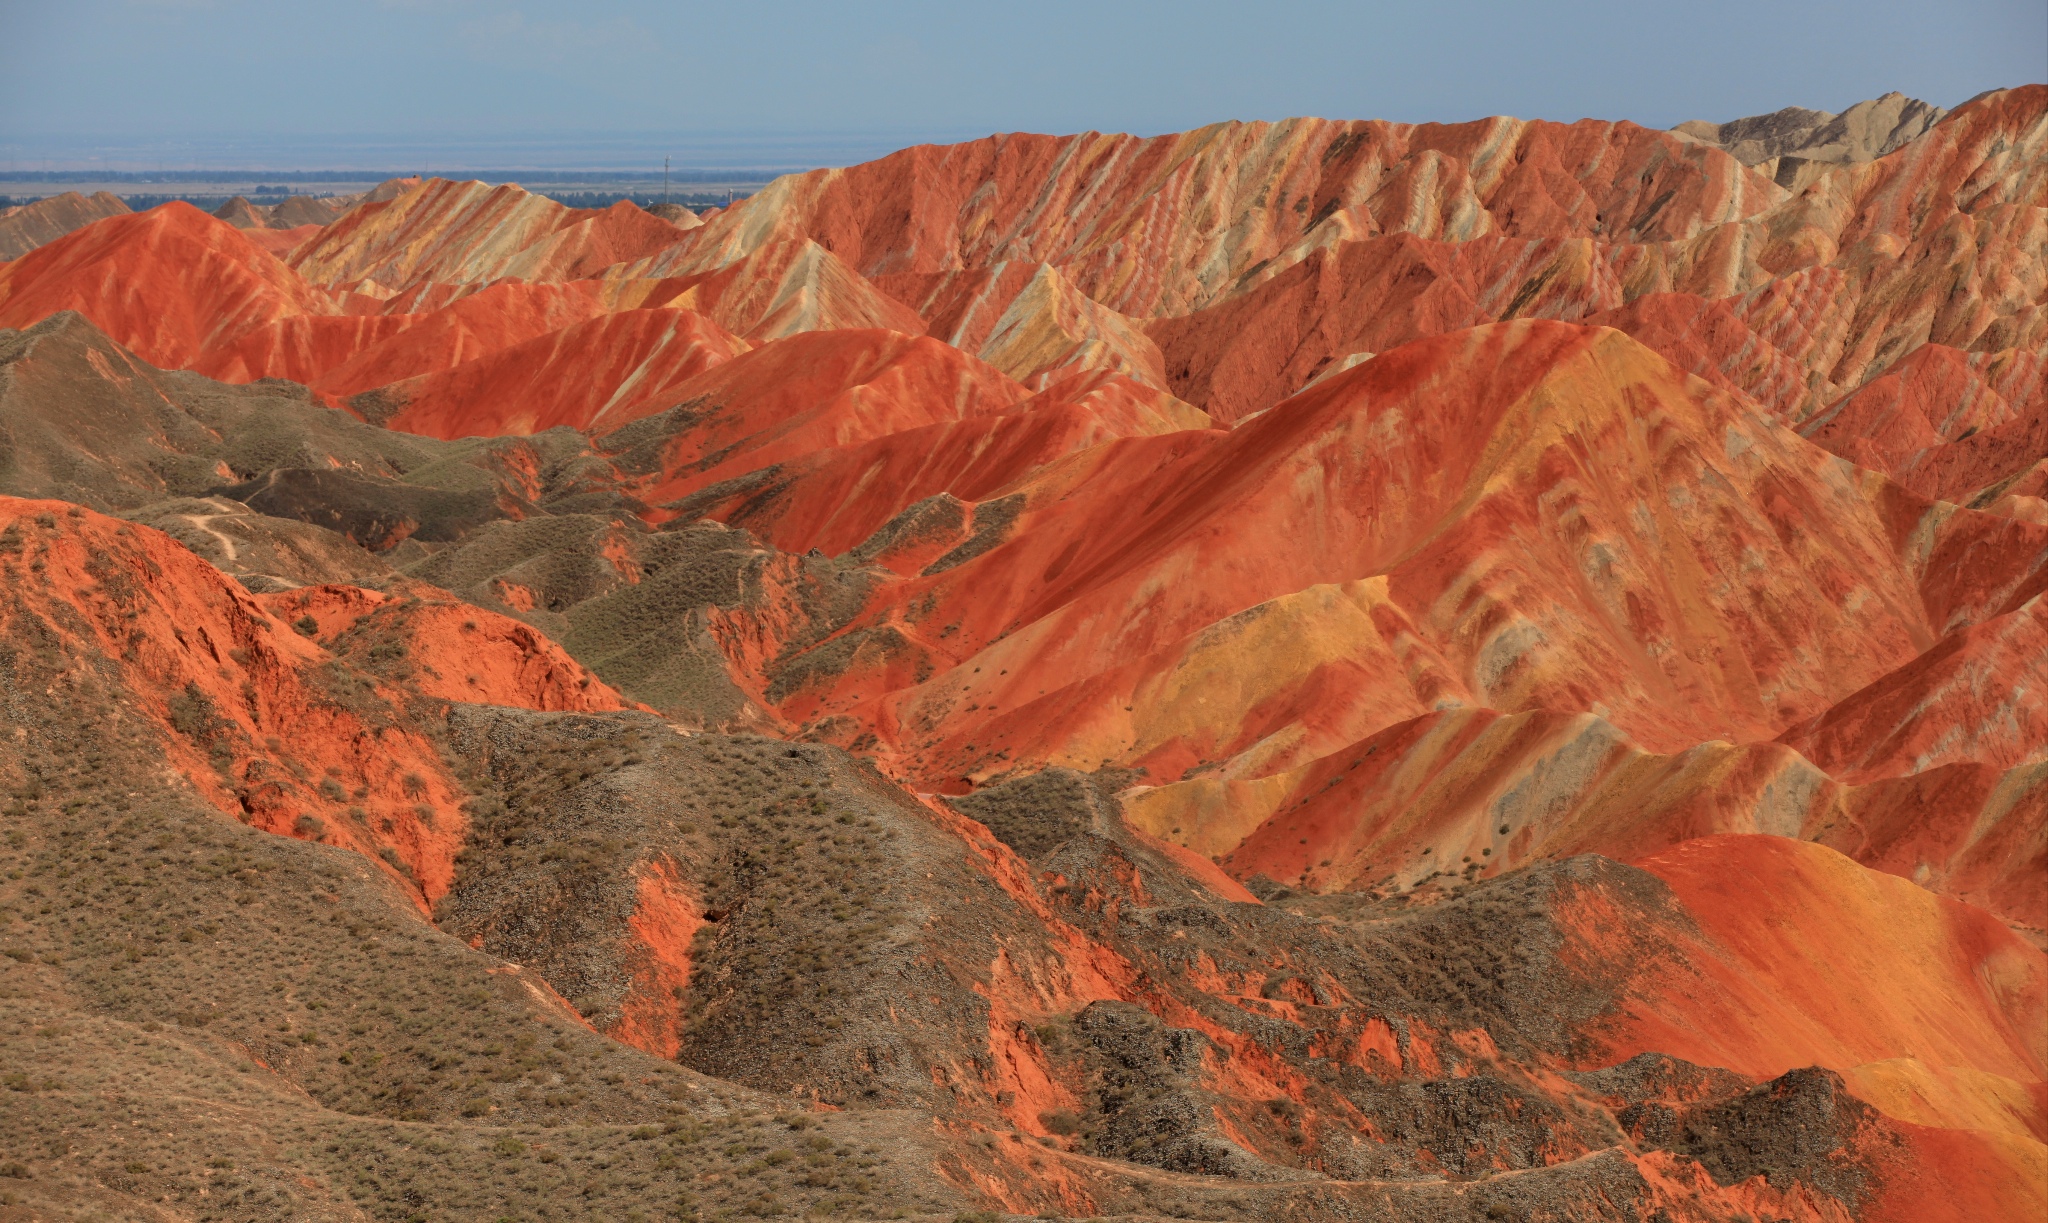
column 1229, row 265
column 27, row 226
column 292, row 712
column 1528, row 515
column 1388, row 512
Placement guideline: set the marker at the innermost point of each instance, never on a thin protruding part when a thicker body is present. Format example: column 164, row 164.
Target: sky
column 798, row 82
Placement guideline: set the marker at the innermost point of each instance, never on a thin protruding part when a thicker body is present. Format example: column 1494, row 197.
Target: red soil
column 822, row 390
column 449, row 232
column 1804, row 958
column 596, row 375
column 1980, row 695
column 664, row 920
column 835, row 498
column 1480, row 444
column 1944, row 423
column 173, row 284
column 27, row 226
column 267, row 723
column 468, row 327
column 457, row 652
column 281, row 242
column 1679, row 518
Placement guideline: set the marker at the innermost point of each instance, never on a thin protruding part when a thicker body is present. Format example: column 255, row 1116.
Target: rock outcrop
column 1300, row 670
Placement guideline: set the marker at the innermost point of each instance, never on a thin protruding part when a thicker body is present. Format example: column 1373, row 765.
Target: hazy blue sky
column 516, row 78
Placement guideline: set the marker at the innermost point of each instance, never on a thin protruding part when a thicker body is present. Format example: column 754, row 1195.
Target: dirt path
column 204, row 522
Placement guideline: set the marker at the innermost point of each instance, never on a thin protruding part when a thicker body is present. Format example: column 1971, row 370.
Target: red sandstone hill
column 610, row 369
column 255, row 707
column 1270, row 254
column 1922, row 1047
column 1281, row 671
column 28, row 226
column 1436, row 476
column 456, row 233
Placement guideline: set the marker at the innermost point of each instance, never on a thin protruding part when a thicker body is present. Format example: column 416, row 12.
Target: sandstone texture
column 1309, row 670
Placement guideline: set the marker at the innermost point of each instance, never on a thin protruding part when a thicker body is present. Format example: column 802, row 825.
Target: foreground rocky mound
column 215, row 1019
column 1051, row 985
column 1294, row 671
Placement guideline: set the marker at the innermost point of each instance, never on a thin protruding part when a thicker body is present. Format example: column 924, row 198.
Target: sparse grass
column 246, row 1027
column 787, row 856
column 252, row 1027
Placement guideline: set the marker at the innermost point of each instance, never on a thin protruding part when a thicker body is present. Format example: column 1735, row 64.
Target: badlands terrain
column 1304, row 671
